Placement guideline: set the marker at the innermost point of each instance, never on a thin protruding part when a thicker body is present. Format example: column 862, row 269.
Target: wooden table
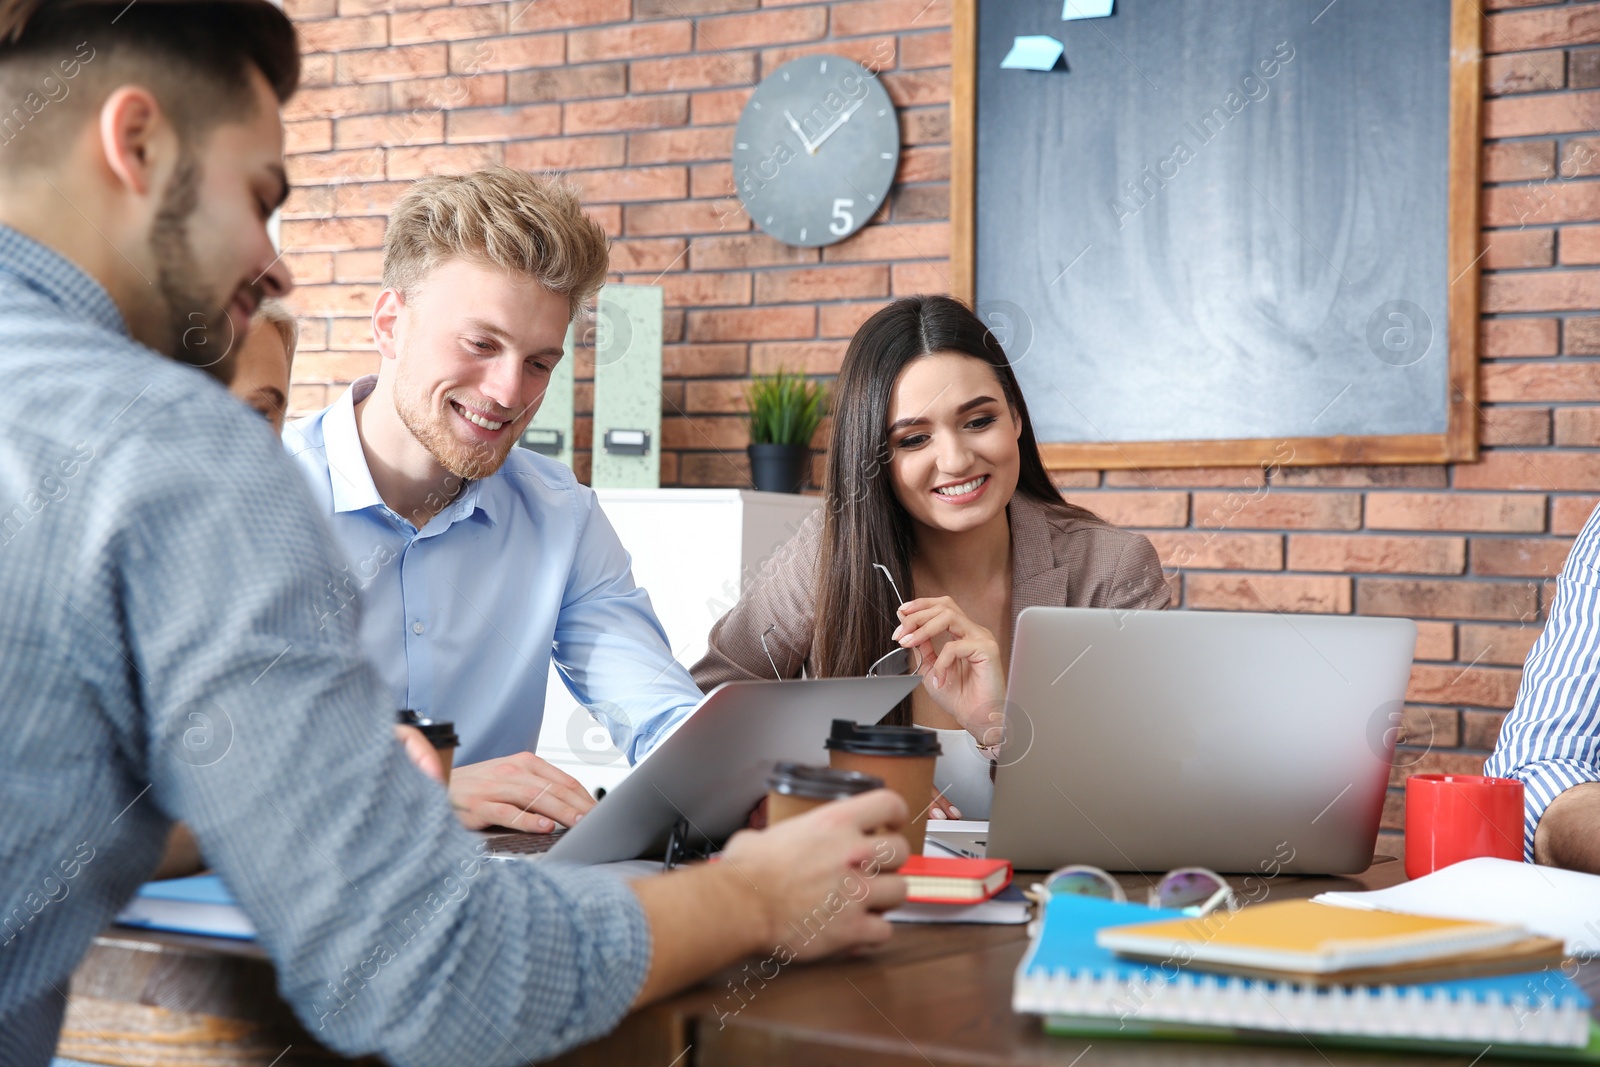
column 935, row 995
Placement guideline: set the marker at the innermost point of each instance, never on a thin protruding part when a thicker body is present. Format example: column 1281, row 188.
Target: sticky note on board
column 1033, row 53
column 1085, row 9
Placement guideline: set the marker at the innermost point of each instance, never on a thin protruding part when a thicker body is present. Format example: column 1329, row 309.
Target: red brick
column 358, row 266
column 1545, row 291
column 343, row 34
column 1267, row 592
column 656, row 9
column 884, row 16
column 1075, row 479
column 337, row 100
column 715, row 397
column 372, row 7
column 1504, row 645
column 448, row 24
column 351, row 334
column 1368, row 553
column 687, row 217
column 701, row 289
column 692, row 72
column 1481, row 729
column 309, row 268
column 1219, row 551
column 427, row 161
column 1434, row 763
column 566, row 84
column 369, row 131
column 1519, row 161
column 1123, row 507
column 1268, row 508
column 918, row 87
column 763, row 28
column 565, row 14
column 1470, row 512
column 1532, row 382
column 1519, row 337
column 1518, row 249
column 910, row 279
column 633, row 183
column 875, row 54
column 924, row 163
column 1578, row 426
column 925, row 125
column 456, row 91
column 1447, row 599
column 925, row 50
column 1481, row 687
column 1580, row 158
column 1537, row 470
column 390, row 64
column 1516, row 557
column 1580, row 245
column 504, row 123
column 930, row 240
column 335, row 300
column 306, row 234
column 1398, row 476
column 1524, row 72
column 1188, row 477
column 843, row 320
column 680, row 146
column 1540, row 203
column 1436, row 640
column 808, row 357
column 755, row 324
column 718, row 107
column 301, row 10
column 625, row 42
column 705, row 431
column 711, row 180
column 569, row 153
column 1554, row 28
column 316, row 70
column 696, row 361
column 746, row 250
column 793, row 285
column 1514, row 426
column 305, row 399
column 307, row 201
column 368, row 198
column 336, row 367
column 312, row 135
column 648, row 254
column 1581, row 336
column 1569, row 513
column 508, row 53
column 715, row 469
column 642, row 113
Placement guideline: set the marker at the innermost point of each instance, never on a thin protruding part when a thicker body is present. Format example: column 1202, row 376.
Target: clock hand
column 840, row 121
column 798, row 132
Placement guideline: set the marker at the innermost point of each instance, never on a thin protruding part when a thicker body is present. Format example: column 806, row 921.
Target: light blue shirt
column 464, row 617
column 163, row 656
column 1551, row 738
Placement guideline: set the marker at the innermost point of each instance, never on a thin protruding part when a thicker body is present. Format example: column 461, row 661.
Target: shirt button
column 416, row 627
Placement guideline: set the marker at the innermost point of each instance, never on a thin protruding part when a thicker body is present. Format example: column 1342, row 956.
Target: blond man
column 265, row 361
column 479, row 565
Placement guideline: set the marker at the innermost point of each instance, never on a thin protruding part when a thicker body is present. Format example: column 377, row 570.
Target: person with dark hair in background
column 935, row 489
column 150, row 677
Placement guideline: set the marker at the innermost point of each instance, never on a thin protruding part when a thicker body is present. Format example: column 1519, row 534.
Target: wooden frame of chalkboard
column 1458, row 442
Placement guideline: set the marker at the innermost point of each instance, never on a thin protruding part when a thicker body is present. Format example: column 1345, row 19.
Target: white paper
column 1085, row 9
column 1033, row 53
column 1548, row 901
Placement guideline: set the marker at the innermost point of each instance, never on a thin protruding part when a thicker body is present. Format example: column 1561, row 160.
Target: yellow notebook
column 1299, row 935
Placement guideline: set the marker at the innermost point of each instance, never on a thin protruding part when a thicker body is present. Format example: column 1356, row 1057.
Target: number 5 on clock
column 843, row 221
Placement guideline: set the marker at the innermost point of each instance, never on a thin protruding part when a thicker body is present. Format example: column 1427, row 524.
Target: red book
column 938, row 880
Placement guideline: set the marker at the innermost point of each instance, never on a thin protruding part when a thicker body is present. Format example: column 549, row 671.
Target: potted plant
column 785, row 411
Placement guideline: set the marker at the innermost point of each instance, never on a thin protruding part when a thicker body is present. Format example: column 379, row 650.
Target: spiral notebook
column 1066, row 975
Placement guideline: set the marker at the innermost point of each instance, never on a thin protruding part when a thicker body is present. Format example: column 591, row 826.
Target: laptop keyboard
column 514, row 843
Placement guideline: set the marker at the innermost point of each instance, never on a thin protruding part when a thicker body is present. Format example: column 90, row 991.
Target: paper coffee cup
column 441, row 735
column 903, row 756
column 795, row 788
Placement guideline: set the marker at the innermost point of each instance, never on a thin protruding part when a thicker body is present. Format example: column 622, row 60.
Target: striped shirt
column 165, row 654
column 1551, row 738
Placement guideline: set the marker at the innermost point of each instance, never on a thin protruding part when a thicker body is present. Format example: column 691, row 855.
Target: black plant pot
column 779, row 468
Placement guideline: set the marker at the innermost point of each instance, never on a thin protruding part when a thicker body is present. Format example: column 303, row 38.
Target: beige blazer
column 1057, row 559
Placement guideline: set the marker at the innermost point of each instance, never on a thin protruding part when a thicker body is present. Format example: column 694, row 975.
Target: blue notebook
column 1087, row 988
column 197, row 905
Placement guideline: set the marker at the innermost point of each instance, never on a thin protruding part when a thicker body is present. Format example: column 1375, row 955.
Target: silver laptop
column 1150, row 740
column 713, row 769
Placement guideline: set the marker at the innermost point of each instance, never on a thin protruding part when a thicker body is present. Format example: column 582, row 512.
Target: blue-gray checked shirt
column 165, row 654
column 1551, row 738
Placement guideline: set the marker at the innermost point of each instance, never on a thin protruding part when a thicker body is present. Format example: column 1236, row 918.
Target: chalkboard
column 1227, row 231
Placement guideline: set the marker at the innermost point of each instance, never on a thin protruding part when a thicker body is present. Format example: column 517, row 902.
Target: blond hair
column 281, row 319
column 523, row 223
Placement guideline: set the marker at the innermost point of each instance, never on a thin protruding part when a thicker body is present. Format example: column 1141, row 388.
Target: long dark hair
column 864, row 522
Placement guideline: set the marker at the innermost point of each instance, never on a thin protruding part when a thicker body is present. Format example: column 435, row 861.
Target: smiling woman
column 934, row 479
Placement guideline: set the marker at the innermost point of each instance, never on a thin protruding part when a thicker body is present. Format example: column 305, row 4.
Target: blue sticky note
column 1085, row 9
column 1033, row 53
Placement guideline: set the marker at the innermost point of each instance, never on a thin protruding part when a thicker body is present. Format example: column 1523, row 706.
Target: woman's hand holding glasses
column 965, row 677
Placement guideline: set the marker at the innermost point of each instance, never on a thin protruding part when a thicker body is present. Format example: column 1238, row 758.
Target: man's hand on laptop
column 520, row 792
column 965, row 675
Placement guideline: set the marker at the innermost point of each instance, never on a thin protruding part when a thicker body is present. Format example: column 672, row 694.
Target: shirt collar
column 351, row 478
column 47, row 271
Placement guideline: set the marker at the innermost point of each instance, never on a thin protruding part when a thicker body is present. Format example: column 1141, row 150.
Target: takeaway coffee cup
column 903, row 756
column 441, row 735
column 794, row 788
column 1455, row 817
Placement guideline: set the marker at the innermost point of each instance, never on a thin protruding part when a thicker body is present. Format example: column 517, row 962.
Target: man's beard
column 199, row 332
column 468, row 461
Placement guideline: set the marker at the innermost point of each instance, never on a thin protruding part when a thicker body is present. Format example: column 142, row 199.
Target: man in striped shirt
column 1551, row 739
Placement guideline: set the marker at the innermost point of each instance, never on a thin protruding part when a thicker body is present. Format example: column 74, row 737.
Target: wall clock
column 815, row 150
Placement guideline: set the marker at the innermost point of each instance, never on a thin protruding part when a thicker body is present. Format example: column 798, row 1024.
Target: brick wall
column 637, row 99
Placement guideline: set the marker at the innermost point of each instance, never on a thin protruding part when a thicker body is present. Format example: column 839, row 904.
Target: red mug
column 1455, row 817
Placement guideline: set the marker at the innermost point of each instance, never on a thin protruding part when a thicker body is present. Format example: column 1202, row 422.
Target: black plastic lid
column 847, row 736
column 439, row 734
column 819, row 783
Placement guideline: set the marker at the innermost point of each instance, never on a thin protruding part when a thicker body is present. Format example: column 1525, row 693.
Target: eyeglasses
column 897, row 661
column 1191, row 890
